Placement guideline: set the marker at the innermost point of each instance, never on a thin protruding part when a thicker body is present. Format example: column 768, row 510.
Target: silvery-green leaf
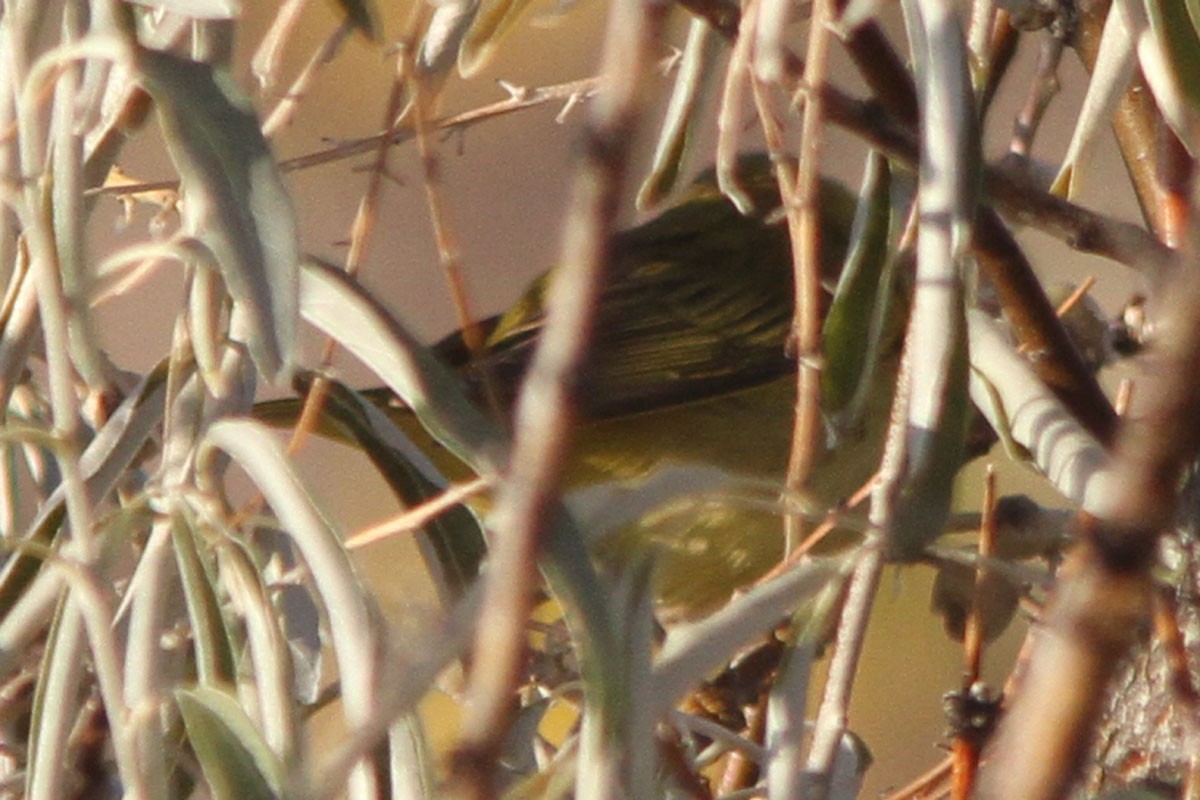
column 695, row 65
column 855, row 13
column 69, row 216
column 1110, row 76
column 267, row 649
column 205, row 300
column 1007, row 391
column 339, row 307
column 785, row 730
column 347, row 601
column 412, row 764
column 936, row 345
column 444, row 34
column 234, row 198
column 344, row 311
column 55, row 705
column 1164, row 84
column 692, row 650
column 235, row 761
column 211, row 637
column 104, row 463
column 452, row 543
column 849, row 767
column 196, row 9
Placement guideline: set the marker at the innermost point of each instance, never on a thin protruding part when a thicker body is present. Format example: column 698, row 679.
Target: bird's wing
column 671, row 331
column 698, row 303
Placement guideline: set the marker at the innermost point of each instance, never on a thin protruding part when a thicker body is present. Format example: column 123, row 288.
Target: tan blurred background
column 505, row 185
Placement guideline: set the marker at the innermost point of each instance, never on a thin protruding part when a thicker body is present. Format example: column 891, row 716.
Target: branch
column 1103, row 598
column 545, row 407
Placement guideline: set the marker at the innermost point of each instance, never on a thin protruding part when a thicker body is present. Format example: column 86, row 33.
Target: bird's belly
column 700, row 488
column 746, row 433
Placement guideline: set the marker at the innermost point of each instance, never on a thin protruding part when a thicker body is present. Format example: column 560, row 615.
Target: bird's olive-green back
column 697, row 302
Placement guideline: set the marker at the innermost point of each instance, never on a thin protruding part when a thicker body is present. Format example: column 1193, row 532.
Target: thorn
column 671, row 62
column 575, row 99
column 516, row 93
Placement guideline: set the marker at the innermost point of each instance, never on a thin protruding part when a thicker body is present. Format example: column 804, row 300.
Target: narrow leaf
column 1172, row 26
column 455, row 546
column 444, row 34
column 211, row 637
column 695, row 68
column 235, row 198
column 1008, row 392
column 855, row 325
column 936, row 344
column 197, row 9
column 1110, row 76
column 343, row 310
column 104, row 463
column 335, row 304
column 347, row 601
column 235, row 760
column 268, row 650
column 345, row 598
column 55, row 704
column 692, row 650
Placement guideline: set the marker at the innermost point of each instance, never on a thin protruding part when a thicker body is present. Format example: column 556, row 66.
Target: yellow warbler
column 689, row 376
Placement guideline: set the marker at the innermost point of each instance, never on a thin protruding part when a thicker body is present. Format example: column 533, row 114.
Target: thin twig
column 1009, row 186
column 545, row 407
column 519, row 101
column 269, row 54
column 415, row 518
column 885, row 72
column 742, row 768
column 729, row 117
column 1043, row 89
column 1013, row 191
column 973, row 631
column 804, row 222
column 34, row 218
column 1003, row 49
column 360, row 234
column 929, row 785
column 290, row 104
column 966, row 746
column 1177, row 171
column 832, row 718
column 449, row 251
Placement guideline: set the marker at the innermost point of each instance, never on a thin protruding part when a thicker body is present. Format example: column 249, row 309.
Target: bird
column 690, row 387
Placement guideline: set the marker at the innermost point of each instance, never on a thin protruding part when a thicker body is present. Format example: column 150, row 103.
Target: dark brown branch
column 1009, row 188
column 884, row 72
column 1013, row 191
column 1038, row 329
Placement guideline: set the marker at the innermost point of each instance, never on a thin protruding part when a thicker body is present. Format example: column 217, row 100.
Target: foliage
column 160, row 637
